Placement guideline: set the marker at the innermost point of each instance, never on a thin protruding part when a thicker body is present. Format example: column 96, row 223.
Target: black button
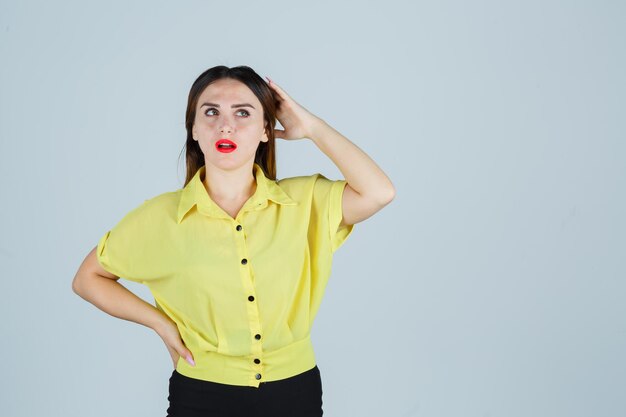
column 257, row 336
column 251, row 298
column 238, row 227
column 244, row 261
column 257, row 360
column 258, row 376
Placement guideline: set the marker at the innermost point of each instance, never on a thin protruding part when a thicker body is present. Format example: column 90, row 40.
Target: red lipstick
column 227, row 145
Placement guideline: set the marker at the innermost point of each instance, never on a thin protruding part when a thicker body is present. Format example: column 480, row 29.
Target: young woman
column 238, row 261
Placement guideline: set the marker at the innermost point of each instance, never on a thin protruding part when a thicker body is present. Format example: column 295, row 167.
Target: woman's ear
column 265, row 137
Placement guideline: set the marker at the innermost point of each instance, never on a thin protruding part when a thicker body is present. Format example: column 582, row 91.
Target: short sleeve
column 327, row 202
column 122, row 249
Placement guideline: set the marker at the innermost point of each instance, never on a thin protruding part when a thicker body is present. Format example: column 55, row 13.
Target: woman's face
column 228, row 109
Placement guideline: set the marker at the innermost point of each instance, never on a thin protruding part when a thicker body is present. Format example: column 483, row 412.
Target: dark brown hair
column 266, row 153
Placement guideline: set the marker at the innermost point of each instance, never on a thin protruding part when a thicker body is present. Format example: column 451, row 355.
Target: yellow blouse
column 243, row 292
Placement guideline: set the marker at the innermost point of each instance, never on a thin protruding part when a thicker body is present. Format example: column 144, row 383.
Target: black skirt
column 299, row 395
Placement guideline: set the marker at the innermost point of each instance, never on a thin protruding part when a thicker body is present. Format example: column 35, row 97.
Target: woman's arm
column 99, row 287
column 368, row 189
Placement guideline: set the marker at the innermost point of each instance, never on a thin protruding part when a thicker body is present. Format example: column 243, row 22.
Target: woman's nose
column 225, row 129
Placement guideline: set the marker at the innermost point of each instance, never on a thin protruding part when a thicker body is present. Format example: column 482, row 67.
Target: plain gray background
column 493, row 285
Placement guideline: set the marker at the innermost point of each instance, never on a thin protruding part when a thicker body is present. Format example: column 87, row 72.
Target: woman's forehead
column 228, row 90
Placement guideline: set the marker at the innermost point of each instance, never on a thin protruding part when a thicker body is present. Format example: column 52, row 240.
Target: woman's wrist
column 317, row 128
column 161, row 322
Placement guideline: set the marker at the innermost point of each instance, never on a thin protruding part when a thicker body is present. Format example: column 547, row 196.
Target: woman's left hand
column 297, row 121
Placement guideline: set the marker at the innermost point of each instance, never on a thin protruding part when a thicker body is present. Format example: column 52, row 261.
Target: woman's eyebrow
column 232, row 107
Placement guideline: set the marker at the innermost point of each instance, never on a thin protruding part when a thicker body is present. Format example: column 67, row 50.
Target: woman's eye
column 208, row 112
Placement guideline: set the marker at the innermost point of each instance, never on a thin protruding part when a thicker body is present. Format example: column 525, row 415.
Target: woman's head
column 210, row 117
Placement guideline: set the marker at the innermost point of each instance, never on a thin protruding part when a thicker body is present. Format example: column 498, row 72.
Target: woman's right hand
column 168, row 331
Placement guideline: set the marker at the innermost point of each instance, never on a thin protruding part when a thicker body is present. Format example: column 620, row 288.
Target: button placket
column 251, row 303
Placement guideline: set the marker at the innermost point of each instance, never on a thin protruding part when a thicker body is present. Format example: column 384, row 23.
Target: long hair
column 266, row 152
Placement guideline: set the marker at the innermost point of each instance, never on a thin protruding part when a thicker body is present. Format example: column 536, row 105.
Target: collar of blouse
column 194, row 193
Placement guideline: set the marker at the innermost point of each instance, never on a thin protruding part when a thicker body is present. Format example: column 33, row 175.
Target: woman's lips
column 225, row 149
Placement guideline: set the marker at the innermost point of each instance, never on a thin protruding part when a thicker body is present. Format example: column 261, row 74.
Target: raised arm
column 368, row 189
